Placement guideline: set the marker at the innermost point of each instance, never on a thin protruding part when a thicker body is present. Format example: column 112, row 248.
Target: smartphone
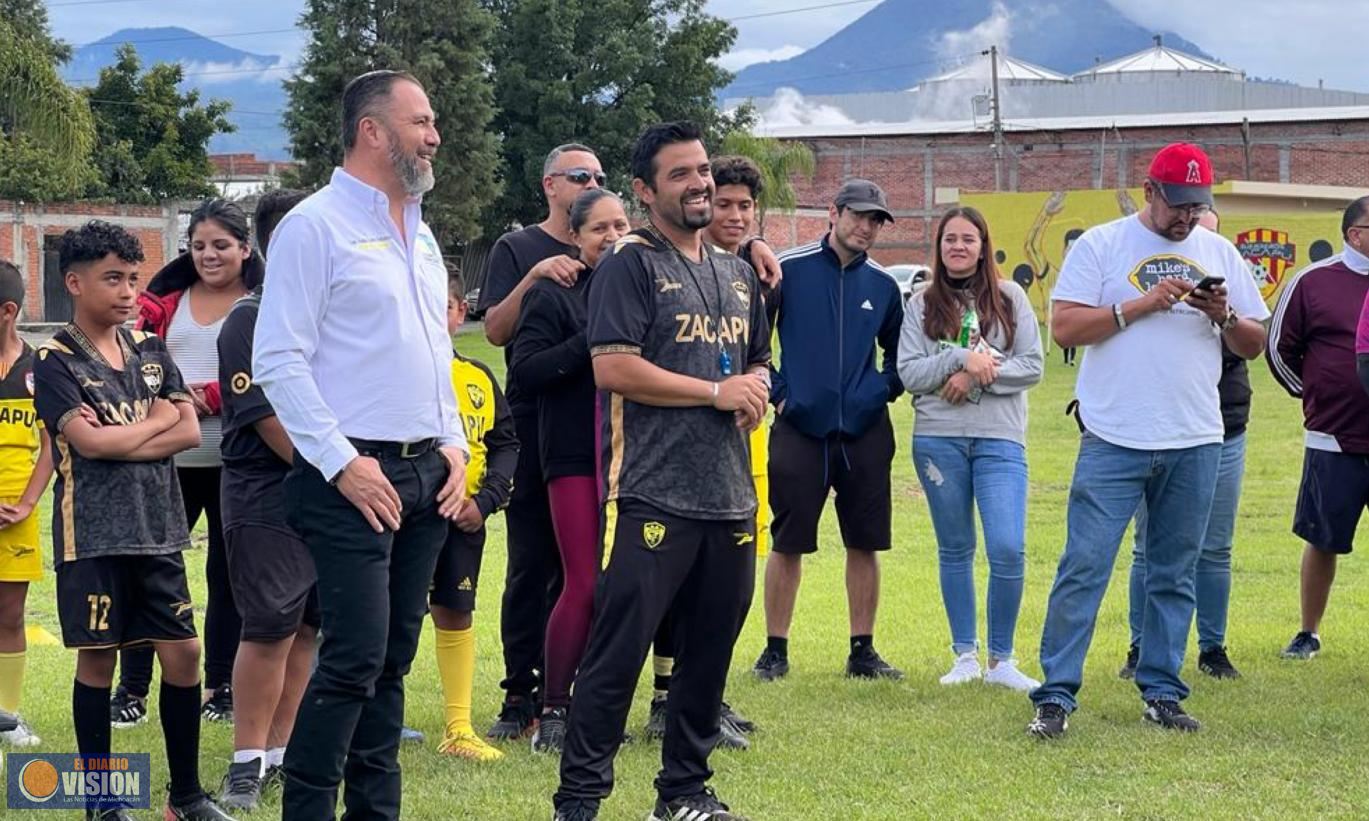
column 1208, row 283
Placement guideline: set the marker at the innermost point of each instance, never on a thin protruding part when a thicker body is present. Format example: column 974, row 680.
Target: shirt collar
column 827, row 248
column 1354, row 260
column 364, row 192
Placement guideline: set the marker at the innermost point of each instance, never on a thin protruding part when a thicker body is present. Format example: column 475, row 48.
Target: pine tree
column 445, row 44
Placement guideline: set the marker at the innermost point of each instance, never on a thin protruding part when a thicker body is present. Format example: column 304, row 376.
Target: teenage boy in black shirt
column 269, row 566
column 117, row 410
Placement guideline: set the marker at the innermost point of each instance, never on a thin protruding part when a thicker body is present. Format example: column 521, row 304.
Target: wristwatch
column 1118, row 317
column 1230, row 321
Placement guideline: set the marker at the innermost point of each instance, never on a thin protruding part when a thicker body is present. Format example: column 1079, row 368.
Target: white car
column 910, row 278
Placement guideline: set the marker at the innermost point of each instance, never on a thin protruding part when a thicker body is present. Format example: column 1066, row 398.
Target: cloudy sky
column 1299, row 40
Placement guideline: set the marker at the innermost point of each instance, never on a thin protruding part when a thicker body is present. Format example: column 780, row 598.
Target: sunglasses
column 582, row 176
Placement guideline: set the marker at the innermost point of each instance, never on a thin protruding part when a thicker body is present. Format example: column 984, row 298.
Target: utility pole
column 997, row 103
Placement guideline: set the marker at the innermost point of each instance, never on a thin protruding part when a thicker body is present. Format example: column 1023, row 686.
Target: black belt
column 393, row 450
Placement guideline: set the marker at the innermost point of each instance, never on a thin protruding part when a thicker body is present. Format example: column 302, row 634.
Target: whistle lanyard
column 724, row 358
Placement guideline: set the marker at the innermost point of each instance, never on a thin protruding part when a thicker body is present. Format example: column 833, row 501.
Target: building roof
column 1159, row 58
column 1009, row 68
column 247, row 165
column 1028, row 124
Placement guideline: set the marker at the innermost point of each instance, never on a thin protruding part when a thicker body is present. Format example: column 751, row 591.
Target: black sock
column 778, row 645
column 90, row 715
column 179, row 709
column 858, row 643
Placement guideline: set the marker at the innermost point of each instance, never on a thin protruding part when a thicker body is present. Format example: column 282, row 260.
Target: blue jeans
column 1214, row 561
column 1109, row 483
column 957, row 475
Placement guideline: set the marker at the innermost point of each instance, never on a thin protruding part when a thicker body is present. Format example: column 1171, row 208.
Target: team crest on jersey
column 240, row 383
column 1164, row 266
column 28, row 382
column 743, row 292
column 653, row 533
column 152, row 375
column 477, row 396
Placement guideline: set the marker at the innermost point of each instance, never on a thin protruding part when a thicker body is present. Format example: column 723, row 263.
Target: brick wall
column 910, row 167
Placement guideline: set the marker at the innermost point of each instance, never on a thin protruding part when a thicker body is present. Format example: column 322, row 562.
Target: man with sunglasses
column 1317, row 328
column 532, row 580
column 1151, row 423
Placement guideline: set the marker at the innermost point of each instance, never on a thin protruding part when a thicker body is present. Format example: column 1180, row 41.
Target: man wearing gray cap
column 832, row 428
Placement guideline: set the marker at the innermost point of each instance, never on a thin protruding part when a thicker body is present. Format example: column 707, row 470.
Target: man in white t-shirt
column 1151, row 419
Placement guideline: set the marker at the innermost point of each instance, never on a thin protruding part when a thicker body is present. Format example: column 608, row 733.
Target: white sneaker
column 21, row 736
column 965, row 669
column 1007, row 675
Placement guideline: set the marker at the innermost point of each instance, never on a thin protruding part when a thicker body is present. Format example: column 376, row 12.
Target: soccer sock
column 275, row 757
column 858, row 642
column 778, row 645
column 179, row 709
column 90, row 715
column 12, row 667
column 456, row 668
column 663, row 667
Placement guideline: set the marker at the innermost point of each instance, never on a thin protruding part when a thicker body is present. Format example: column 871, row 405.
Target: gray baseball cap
column 862, row 196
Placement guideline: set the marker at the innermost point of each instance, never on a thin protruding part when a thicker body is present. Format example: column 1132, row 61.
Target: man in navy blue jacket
column 831, row 397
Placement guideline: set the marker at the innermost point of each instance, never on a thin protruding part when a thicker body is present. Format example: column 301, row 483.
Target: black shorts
column 1334, row 492
column 274, row 583
column 803, row 470
column 458, row 571
column 121, row 601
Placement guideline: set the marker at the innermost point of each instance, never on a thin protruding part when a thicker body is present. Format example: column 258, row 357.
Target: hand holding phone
column 1209, row 283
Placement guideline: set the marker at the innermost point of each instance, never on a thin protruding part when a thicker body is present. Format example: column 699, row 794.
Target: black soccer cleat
column 126, row 710
column 574, row 810
column 1128, row 670
column 1051, row 721
column 655, row 721
column 115, row 814
column 701, row 806
column 771, row 665
column 741, row 722
column 866, row 663
column 730, row 737
column 551, row 731
column 1215, row 662
column 517, row 718
column 219, row 707
column 1169, row 715
column 1304, row 646
column 201, row 809
column 241, row 791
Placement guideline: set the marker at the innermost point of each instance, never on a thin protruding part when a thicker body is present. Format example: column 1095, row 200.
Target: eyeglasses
column 1193, row 209
column 582, row 176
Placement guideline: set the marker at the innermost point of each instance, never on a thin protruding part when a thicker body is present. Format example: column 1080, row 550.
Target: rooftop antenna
column 1159, row 40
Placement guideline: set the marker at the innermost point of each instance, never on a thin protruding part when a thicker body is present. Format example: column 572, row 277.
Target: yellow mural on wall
column 1032, row 231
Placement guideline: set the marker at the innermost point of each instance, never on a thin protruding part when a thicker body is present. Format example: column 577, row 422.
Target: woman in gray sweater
column 970, row 349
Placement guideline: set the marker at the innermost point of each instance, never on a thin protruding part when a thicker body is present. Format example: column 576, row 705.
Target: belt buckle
column 407, row 451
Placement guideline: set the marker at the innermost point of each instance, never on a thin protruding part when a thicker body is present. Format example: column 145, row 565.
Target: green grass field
column 1288, row 740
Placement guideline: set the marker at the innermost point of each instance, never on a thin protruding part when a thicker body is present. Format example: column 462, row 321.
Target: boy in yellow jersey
column 489, row 482
column 22, row 482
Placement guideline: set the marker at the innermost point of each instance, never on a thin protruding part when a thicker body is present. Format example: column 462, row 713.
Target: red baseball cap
column 1184, row 174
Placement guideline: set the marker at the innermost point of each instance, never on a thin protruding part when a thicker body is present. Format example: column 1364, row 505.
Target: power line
column 102, row 101
column 183, row 37
column 821, row 7
column 282, row 67
column 887, row 67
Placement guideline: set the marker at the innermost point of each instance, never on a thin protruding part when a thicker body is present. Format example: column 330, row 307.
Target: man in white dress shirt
column 352, row 351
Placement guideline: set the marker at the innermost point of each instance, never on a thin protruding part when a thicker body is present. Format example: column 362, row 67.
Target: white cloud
column 789, row 108
column 738, row 59
column 994, row 30
column 206, row 73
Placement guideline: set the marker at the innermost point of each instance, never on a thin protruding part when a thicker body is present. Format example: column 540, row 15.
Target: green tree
column 46, row 130
column 29, row 18
column 779, row 161
column 445, row 44
column 597, row 72
column 152, row 139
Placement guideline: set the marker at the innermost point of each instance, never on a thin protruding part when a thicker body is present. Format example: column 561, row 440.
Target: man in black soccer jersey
column 680, row 345
column 117, row 410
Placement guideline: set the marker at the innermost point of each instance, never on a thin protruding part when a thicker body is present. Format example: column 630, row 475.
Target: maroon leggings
column 575, row 518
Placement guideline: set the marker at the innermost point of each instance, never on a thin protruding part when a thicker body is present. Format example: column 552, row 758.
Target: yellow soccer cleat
column 466, row 744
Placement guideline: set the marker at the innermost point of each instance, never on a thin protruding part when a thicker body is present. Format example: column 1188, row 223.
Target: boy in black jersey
column 269, row 566
column 117, row 410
